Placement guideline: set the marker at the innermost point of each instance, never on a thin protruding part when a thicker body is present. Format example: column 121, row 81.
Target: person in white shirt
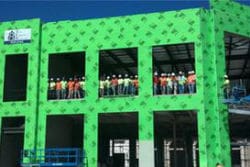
column 120, row 84
column 126, row 82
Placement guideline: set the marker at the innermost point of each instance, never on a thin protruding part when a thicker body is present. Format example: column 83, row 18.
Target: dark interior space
column 67, row 65
column 176, row 141
column 15, row 78
column 117, row 140
column 237, row 49
column 118, row 72
column 240, row 139
column 173, row 68
column 12, row 140
column 64, row 131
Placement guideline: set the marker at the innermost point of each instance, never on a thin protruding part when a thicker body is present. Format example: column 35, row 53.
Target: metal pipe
column 174, row 135
column 242, row 156
column 194, row 153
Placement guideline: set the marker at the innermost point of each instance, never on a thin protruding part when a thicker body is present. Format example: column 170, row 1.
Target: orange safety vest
column 71, row 85
column 136, row 83
column 58, row 85
column 191, row 78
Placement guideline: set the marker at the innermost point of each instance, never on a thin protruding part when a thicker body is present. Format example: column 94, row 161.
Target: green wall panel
column 204, row 28
column 27, row 108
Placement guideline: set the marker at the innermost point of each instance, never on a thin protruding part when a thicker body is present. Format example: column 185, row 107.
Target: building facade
column 204, row 28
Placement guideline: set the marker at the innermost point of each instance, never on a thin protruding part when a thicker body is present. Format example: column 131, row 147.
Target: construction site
column 166, row 89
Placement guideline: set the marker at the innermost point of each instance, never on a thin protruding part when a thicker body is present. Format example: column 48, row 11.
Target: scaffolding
column 70, row 157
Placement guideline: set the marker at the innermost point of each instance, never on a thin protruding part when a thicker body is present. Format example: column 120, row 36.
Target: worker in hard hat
column 102, row 86
column 219, row 165
column 181, row 82
column 169, row 84
column 126, row 82
column 64, row 88
column 114, row 85
column 58, row 88
column 163, row 83
column 135, row 83
column 107, row 85
column 191, row 80
column 131, row 85
column 82, row 87
column 156, row 82
column 52, row 87
column 120, row 84
column 70, row 86
column 226, row 87
column 175, row 83
column 77, row 89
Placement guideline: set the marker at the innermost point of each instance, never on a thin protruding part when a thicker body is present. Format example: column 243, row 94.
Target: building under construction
column 144, row 130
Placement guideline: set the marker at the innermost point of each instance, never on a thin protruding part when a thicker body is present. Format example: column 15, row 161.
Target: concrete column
column 91, row 138
column 242, row 156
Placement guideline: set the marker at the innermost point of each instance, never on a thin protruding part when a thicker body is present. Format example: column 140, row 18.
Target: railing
column 238, row 102
column 67, row 157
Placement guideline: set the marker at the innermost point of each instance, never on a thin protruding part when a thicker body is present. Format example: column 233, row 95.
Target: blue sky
column 77, row 10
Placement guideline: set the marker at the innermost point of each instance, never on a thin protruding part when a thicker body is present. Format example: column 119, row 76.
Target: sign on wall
column 17, row 36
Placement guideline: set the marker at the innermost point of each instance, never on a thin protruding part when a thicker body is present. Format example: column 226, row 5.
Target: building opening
column 236, row 95
column 240, row 139
column 174, row 69
column 237, row 49
column 118, row 140
column 66, row 76
column 118, row 72
column 12, row 141
column 176, row 142
column 65, row 131
column 15, row 78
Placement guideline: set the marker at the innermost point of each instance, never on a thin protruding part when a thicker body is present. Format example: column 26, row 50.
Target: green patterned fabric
column 204, row 28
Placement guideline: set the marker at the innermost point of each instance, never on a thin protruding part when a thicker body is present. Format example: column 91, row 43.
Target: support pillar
column 91, row 138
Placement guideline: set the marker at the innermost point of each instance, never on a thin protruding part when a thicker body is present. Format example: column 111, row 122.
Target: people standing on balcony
column 181, row 82
column 114, row 84
column 58, row 88
column 163, row 83
column 156, row 82
column 191, row 80
column 107, row 85
column 126, row 85
column 64, row 88
column 70, row 86
column 52, row 86
column 120, row 84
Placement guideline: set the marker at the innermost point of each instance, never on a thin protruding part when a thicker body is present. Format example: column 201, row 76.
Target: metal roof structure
column 174, row 58
column 118, row 61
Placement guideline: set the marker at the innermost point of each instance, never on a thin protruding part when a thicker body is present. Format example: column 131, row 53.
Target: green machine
column 144, row 130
